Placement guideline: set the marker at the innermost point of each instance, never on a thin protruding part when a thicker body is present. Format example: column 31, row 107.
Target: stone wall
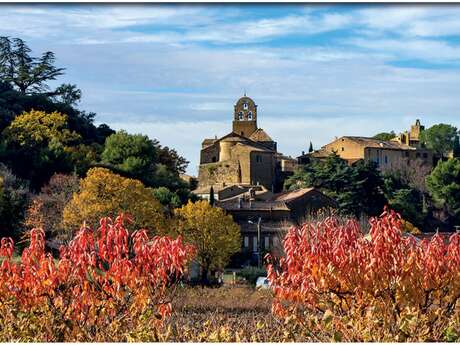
column 227, row 172
column 209, row 154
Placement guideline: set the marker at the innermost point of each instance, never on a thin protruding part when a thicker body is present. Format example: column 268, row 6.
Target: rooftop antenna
column 244, row 92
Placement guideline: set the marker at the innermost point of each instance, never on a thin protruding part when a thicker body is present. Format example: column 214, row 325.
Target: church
column 246, row 173
column 247, row 156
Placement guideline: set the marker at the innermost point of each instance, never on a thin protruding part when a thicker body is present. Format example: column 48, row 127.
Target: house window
column 240, row 115
column 258, row 159
column 246, row 241
column 245, row 106
column 254, row 244
column 425, row 155
column 250, row 115
column 386, row 160
column 343, row 148
column 267, row 242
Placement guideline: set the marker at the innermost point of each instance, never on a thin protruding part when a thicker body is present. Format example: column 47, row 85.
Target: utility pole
column 259, row 251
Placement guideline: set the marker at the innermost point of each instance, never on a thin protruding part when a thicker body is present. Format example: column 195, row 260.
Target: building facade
column 400, row 152
column 246, row 156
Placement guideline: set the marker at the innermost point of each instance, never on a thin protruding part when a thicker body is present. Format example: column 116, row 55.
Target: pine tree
column 310, row 149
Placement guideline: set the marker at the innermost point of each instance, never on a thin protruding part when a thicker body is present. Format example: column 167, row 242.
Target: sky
column 174, row 72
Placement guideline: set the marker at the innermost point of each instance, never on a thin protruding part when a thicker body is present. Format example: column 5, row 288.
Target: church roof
column 260, row 135
column 243, row 141
column 207, row 142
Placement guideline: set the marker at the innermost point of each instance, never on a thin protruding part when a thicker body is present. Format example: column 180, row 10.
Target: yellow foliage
column 214, row 233
column 38, row 127
column 103, row 193
column 410, row 228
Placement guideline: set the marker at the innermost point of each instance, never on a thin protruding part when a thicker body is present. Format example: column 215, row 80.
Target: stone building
column 400, row 152
column 246, row 156
column 246, row 173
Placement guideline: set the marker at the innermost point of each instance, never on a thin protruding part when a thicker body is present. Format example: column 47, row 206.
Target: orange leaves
column 332, row 264
column 101, row 277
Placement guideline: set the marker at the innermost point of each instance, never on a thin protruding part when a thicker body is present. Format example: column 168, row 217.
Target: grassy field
column 228, row 313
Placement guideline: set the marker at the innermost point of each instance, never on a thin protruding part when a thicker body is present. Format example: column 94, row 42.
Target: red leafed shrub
column 335, row 283
column 106, row 285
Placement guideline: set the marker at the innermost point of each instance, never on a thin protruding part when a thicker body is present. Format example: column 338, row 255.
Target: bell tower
column 245, row 117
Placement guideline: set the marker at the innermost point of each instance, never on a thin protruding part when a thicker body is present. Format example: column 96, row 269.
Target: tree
column 357, row 189
column 456, row 147
column 405, row 199
column 444, row 186
column 103, row 193
column 28, row 74
column 144, row 159
column 37, row 144
column 213, row 233
column 46, row 209
column 132, row 153
column 37, row 128
column 167, row 198
column 440, row 138
column 14, row 197
column 385, row 136
column 211, row 196
column 68, row 94
column 310, row 148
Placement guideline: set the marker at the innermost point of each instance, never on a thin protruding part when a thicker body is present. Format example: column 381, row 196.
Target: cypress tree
column 211, row 197
column 310, row 149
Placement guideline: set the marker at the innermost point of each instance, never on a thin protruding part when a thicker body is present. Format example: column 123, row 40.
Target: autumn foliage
column 107, row 285
column 335, row 284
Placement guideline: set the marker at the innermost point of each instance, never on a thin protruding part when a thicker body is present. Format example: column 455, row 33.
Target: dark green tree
column 27, row 73
column 167, row 198
column 440, row 138
column 405, row 199
column 357, row 189
column 212, row 199
column 132, row 153
column 444, row 186
column 385, row 136
column 68, row 94
column 456, row 148
column 14, row 197
column 310, row 148
column 146, row 160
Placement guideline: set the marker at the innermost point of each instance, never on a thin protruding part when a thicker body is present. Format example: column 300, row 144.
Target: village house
column 402, row 151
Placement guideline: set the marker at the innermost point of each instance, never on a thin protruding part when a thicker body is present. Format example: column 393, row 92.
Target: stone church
column 247, row 156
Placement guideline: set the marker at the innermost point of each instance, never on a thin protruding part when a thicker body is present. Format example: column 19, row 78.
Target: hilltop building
column 402, row 151
column 246, row 173
column 246, row 156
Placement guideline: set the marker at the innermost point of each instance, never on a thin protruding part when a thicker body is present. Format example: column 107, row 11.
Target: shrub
column 251, row 273
column 106, row 285
column 45, row 210
column 336, row 284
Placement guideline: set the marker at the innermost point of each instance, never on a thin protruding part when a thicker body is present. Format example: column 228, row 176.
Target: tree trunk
column 204, row 276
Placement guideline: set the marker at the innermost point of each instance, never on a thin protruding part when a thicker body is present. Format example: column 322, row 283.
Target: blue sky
column 173, row 72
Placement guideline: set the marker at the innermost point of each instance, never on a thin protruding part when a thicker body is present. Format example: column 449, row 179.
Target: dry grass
column 229, row 314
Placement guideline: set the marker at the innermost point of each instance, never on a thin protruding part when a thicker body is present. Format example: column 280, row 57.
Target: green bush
column 251, row 273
